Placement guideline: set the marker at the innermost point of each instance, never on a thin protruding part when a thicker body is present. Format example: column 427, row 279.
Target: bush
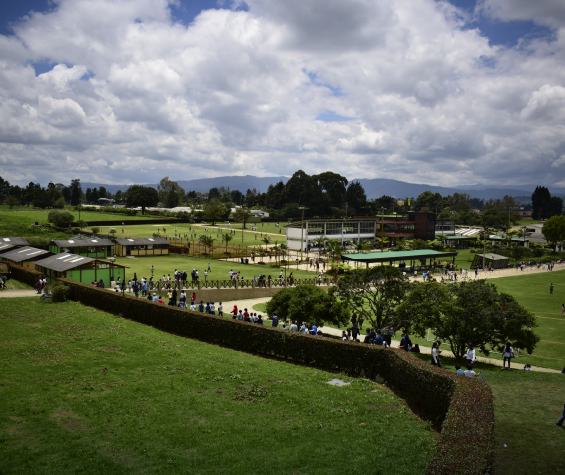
column 24, row 275
column 61, row 219
column 464, row 405
column 95, row 229
column 59, row 291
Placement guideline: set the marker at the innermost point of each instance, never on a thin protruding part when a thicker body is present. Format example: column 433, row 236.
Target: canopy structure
column 421, row 255
column 491, row 260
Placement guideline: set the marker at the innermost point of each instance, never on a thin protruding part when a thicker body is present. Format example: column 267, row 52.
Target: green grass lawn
column 220, row 269
column 16, row 284
column 527, row 405
column 87, row 392
column 28, row 216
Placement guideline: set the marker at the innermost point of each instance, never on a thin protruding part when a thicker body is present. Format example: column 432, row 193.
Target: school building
column 24, row 256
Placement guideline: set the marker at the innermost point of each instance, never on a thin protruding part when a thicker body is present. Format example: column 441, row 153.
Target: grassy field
column 527, row 405
column 28, row 216
column 16, row 284
column 220, row 269
column 87, row 392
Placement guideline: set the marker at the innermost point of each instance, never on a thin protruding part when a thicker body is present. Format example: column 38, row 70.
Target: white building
column 348, row 231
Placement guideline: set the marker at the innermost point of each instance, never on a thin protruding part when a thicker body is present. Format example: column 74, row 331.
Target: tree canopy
column 467, row 312
column 374, row 292
column 554, row 230
column 60, row 218
column 141, row 196
column 308, row 303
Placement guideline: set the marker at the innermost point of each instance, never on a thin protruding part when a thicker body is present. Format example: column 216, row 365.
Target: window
column 317, row 228
column 333, row 228
column 150, row 247
column 367, row 227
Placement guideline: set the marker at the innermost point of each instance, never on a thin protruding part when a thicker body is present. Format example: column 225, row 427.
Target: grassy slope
column 29, row 216
column 85, row 391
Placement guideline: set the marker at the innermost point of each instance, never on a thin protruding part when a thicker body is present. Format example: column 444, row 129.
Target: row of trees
column 457, row 312
column 55, row 195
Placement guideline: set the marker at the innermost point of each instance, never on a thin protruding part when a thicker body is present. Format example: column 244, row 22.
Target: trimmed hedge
column 22, row 274
column 464, row 405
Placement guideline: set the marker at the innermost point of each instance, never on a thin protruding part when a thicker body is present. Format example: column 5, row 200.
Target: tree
column 61, row 219
column 333, row 185
column 374, row 292
column 141, row 196
column 467, row 312
column 308, row 303
column 76, row 191
column 12, row 201
column 227, row 237
column 41, row 199
column 215, row 210
column 267, row 240
column 355, row 197
column 433, row 202
column 554, row 230
column 119, row 196
column 4, row 190
column 541, row 198
column 164, row 188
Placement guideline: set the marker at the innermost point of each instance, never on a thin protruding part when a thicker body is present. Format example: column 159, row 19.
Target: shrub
column 22, row 274
column 60, row 218
column 465, row 406
column 95, row 229
column 59, row 291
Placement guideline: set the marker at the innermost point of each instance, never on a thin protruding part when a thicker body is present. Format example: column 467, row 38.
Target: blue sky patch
column 331, row 116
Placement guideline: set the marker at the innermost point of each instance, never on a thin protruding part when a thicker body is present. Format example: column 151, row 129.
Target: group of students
column 40, row 284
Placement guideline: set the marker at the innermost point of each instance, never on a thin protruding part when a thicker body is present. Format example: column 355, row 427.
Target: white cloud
column 239, row 93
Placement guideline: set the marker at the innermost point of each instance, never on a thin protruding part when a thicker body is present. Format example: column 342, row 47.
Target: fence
column 238, row 283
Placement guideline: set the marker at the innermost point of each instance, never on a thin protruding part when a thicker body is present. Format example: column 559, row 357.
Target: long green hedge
column 465, row 406
column 22, row 274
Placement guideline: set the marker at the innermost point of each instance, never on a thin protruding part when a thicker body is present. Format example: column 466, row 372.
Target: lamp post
column 382, row 229
column 302, row 231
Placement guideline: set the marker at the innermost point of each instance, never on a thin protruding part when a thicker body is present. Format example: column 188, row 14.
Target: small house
column 96, row 248
column 142, row 247
column 24, row 256
column 79, row 268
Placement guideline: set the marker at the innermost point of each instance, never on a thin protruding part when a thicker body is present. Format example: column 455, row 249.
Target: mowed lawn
column 197, row 230
column 29, row 216
column 87, row 392
column 219, row 269
column 527, row 405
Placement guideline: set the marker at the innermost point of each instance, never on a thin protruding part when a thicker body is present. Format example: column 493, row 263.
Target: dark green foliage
column 308, row 303
column 61, row 219
column 75, row 192
column 465, row 405
column 24, row 275
column 59, row 291
column 468, row 312
column 373, row 292
column 141, row 196
column 554, row 230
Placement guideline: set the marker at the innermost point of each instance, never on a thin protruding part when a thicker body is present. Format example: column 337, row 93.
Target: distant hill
column 374, row 187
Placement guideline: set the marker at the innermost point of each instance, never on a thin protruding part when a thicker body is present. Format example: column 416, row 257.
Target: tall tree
column 333, row 185
column 164, row 188
column 76, row 191
column 215, row 210
column 554, row 230
column 4, row 189
column 467, row 312
column 541, row 202
column 374, row 292
column 356, row 198
column 141, row 196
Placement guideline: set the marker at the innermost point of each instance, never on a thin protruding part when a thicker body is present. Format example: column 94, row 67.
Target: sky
column 422, row 91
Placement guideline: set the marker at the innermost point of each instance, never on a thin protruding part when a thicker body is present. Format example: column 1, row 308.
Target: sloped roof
column 23, row 254
column 16, row 241
column 5, row 247
column 397, row 256
column 82, row 242
column 63, row 262
column 134, row 242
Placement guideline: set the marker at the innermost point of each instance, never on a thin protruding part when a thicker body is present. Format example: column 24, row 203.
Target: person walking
column 562, row 309
column 470, row 356
column 508, row 355
column 435, row 354
column 275, row 320
column 550, row 288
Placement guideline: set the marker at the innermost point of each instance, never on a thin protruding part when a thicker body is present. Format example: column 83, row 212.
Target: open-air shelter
column 491, row 260
column 419, row 259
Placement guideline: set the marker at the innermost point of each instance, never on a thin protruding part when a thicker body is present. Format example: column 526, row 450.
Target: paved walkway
column 11, row 293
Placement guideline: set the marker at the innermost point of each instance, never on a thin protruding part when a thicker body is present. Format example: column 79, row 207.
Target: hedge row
column 22, row 274
column 465, row 406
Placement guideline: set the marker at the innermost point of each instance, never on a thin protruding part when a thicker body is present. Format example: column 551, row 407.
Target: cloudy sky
column 124, row 91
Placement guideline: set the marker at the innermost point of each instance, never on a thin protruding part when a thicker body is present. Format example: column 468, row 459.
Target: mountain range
column 374, row 187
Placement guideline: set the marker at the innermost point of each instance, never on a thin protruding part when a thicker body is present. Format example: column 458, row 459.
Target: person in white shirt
column 220, row 310
column 435, row 354
column 293, row 326
column 470, row 356
column 193, row 306
column 212, row 308
column 471, row 374
column 182, row 303
column 508, row 355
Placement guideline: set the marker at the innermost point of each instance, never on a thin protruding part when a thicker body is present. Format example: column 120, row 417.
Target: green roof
column 494, row 257
column 397, row 256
